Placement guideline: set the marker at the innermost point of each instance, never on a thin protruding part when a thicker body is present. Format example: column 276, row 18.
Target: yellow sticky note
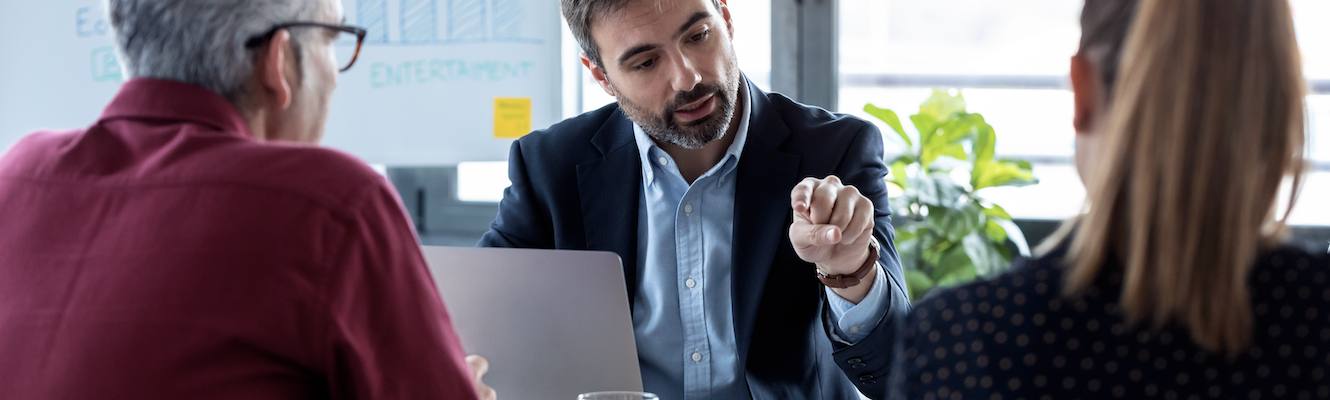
column 512, row 117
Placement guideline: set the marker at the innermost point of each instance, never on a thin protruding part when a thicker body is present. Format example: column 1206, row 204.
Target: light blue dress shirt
column 683, row 316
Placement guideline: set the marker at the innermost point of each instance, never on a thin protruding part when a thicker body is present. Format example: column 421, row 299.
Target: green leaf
column 997, row 211
column 961, row 126
column 917, row 283
column 1023, row 164
column 986, row 261
column 994, row 231
column 941, row 105
column 1002, row 249
column 908, row 251
column 946, row 135
column 956, row 223
column 927, row 127
column 1014, row 233
column 1001, row 173
column 952, row 261
column 985, row 144
column 961, row 271
column 955, row 151
column 935, row 189
column 891, row 119
column 898, row 174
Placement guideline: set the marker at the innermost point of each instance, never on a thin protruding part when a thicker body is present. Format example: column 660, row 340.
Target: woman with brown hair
column 1172, row 284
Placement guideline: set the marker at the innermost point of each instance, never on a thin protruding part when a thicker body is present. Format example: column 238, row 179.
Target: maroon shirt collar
column 173, row 100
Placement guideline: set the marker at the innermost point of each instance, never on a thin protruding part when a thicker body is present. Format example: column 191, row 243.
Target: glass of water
column 617, row 396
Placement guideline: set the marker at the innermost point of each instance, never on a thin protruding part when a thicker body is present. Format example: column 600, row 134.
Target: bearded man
column 754, row 231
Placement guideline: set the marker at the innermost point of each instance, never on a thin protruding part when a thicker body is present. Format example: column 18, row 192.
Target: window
column 1010, row 59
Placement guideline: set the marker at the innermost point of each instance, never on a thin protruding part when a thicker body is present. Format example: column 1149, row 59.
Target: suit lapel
column 609, row 189
column 761, row 212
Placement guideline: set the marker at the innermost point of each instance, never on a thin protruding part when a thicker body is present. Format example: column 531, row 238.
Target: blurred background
column 1009, row 60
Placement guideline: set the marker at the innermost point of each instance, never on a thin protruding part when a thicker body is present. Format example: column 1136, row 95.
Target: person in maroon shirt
column 192, row 244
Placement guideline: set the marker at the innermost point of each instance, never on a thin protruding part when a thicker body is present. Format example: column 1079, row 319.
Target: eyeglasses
column 344, row 36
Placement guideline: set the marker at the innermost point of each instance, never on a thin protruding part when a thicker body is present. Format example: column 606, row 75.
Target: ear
column 276, row 86
column 725, row 13
column 598, row 74
column 1085, row 93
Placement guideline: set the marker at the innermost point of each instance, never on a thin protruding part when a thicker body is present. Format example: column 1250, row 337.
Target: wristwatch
column 849, row 280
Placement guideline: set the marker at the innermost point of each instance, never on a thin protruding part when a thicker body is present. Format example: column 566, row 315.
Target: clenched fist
column 833, row 225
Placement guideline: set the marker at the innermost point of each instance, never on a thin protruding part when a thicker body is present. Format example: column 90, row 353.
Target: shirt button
column 854, row 329
column 663, row 161
column 690, row 283
column 688, row 208
column 697, row 357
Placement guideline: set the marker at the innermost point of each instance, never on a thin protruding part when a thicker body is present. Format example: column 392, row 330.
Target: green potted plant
column 947, row 233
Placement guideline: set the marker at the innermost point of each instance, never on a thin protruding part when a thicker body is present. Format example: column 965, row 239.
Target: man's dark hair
column 581, row 13
column 1104, row 27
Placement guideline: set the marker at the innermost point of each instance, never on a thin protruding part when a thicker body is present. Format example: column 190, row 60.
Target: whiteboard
column 422, row 92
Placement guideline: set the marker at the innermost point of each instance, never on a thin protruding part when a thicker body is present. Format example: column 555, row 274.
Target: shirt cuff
column 853, row 322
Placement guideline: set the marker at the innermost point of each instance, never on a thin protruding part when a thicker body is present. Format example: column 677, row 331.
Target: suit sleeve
column 867, row 363
column 521, row 221
column 386, row 333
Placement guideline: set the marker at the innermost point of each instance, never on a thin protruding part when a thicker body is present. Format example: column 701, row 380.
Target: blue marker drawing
column 373, row 15
column 455, row 22
column 466, row 19
column 105, row 67
column 420, row 21
column 507, row 22
column 88, row 23
column 427, row 71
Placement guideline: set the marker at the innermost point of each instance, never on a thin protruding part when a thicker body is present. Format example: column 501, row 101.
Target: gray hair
column 198, row 41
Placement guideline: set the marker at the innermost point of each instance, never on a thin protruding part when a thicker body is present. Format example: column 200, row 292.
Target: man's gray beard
column 708, row 131
column 688, row 136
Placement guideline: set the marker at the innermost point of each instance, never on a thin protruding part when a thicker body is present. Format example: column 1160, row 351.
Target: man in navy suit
column 748, row 276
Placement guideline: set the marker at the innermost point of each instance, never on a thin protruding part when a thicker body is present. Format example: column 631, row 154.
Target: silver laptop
column 553, row 323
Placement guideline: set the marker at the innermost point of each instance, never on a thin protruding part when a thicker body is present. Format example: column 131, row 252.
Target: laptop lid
column 553, row 323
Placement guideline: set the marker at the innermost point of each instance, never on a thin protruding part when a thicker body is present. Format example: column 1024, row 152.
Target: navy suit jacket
column 576, row 186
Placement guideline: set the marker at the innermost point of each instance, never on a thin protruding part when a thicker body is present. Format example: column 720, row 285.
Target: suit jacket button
column 866, row 378
column 855, row 360
column 858, row 365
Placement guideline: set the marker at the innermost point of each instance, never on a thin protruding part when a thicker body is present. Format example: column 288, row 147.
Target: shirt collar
column 646, row 147
column 173, row 100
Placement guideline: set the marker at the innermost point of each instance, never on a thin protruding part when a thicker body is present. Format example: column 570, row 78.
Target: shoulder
column 323, row 175
column 573, row 133
column 815, row 122
column 32, row 151
column 1029, row 286
column 1293, row 276
column 828, row 142
column 1291, row 261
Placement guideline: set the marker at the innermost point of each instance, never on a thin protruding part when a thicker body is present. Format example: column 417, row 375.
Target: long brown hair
column 1205, row 122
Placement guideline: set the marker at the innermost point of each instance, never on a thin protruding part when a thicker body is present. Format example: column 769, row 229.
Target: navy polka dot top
column 1014, row 337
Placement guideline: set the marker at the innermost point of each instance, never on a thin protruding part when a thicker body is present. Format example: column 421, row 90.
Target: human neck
column 693, row 163
column 257, row 120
